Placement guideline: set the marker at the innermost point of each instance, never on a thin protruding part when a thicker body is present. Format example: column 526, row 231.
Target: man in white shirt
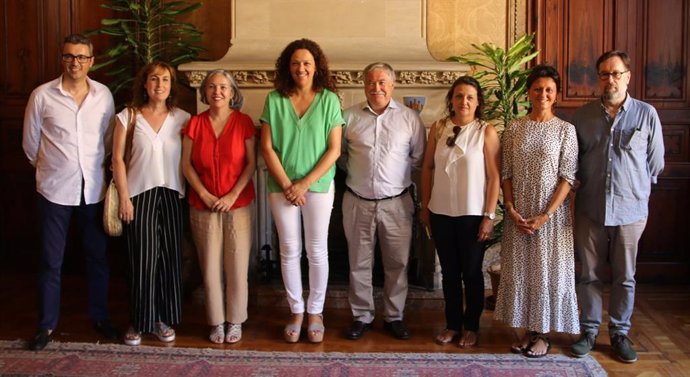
column 383, row 141
column 66, row 138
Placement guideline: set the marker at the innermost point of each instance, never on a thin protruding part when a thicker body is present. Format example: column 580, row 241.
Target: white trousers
column 316, row 215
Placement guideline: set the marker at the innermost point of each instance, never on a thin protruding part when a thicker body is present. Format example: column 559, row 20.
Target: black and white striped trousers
column 154, row 242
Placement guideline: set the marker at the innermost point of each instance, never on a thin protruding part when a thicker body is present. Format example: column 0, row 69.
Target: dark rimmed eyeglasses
column 451, row 139
column 80, row 58
column 603, row 76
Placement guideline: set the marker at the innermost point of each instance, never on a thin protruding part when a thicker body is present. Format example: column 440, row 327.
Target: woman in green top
column 300, row 141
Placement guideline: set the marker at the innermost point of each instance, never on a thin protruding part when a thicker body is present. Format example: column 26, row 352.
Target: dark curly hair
column 284, row 83
column 139, row 95
column 471, row 81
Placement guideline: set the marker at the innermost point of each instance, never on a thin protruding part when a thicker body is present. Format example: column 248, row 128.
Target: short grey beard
column 610, row 96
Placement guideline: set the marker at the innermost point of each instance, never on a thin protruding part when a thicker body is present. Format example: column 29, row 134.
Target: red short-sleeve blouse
column 219, row 162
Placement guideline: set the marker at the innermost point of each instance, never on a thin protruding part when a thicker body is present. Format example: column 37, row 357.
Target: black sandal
column 520, row 349
column 534, row 338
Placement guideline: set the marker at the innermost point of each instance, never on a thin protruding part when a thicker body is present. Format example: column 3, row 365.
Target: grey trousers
column 599, row 246
column 391, row 220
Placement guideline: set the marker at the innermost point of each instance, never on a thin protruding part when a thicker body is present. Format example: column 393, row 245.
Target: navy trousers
column 55, row 220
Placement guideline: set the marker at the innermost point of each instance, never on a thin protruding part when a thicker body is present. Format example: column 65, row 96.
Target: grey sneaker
column 622, row 347
column 584, row 345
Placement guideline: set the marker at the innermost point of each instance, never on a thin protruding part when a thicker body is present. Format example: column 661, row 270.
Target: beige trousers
column 390, row 221
column 223, row 242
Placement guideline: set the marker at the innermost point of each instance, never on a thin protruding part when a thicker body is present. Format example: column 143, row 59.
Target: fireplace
column 352, row 34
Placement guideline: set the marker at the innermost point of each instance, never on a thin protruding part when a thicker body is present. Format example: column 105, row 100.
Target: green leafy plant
column 503, row 76
column 147, row 30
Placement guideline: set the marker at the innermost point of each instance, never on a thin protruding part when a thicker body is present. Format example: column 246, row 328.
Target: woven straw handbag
column 111, row 206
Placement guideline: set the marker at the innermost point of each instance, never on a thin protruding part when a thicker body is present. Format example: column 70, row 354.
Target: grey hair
column 380, row 65
column 237, row 98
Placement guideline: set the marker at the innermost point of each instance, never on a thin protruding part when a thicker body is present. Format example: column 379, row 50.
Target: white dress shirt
column 66, row 143
column 155, row 157
column 380, row 151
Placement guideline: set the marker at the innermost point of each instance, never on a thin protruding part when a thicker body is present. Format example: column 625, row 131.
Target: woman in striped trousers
column 146, row 168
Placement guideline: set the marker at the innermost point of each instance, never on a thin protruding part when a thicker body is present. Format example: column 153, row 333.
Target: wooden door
column 571, row 35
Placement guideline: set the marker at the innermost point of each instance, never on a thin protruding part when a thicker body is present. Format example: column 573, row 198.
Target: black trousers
column 461, row 257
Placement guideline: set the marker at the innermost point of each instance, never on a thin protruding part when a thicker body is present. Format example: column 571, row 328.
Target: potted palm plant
column 146, row 31
column 503, row 76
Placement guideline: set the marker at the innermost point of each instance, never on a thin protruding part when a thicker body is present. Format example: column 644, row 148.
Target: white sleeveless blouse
column 459, row 186
column 155, row 157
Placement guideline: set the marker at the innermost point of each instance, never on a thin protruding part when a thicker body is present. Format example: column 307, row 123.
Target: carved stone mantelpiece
column 393, row 31
column 344, row 79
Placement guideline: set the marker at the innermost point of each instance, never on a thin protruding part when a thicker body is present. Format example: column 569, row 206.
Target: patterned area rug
column 81, row 359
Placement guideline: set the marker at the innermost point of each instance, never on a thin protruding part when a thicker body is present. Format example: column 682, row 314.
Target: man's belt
column 403, row 192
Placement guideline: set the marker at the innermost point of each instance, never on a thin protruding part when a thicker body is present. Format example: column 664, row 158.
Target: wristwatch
column 490, row 215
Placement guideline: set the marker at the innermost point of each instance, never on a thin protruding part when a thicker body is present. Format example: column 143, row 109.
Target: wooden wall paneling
column 628, row 22
column 676, row 143
column 586, row 37
column 666, row 54
column 662, row 60
column 663, row 254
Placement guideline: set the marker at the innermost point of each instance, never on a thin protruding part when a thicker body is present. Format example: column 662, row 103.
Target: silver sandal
column 233, row 334
column 132, row 337
column 217, row 334
column 163, row 332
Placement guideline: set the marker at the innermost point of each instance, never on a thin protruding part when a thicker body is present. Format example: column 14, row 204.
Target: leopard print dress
column 537, row 286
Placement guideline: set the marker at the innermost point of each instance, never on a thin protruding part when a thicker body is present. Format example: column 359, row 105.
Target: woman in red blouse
column 218, row 160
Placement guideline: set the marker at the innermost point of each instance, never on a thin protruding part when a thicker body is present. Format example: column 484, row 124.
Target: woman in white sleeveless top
column 460, row 185
column 151, row 190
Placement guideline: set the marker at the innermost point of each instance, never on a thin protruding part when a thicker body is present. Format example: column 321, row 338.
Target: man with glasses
column 67, row 138
column 623, row 136
column 383, row 141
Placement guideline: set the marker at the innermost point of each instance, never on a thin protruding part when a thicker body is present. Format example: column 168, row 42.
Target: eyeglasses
column 603, row 76
column 80, row 58
column 451, row 139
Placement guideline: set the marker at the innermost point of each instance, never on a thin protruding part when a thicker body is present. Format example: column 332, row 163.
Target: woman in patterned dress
column 537, row 289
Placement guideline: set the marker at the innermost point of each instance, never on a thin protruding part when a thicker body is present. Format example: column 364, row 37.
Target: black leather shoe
column 40, row 340
column 106, row 329
column 357, row 330
column 398, row 329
